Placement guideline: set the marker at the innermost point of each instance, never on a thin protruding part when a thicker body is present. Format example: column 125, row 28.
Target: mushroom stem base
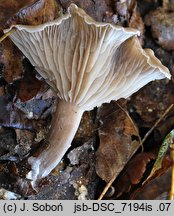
column 63, row 129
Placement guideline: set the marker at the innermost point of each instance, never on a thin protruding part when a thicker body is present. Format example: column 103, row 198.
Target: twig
column 108, row 185
column 7, row 34
column 132, row 122
column 141, row 142
column 157, row 122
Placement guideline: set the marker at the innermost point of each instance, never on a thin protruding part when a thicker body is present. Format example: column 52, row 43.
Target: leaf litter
column 26, row 107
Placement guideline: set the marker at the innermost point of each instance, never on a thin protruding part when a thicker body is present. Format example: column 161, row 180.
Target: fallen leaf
column 137, row 166
column 14, row 118
column 34, row 108
column 95, row 9
column 118, row 141
column 157, row 188
column 87, row 128
column 161, row 154
column 11, row 7
column 28, row 86
column 11, row 61
column 40, row 12
column 76, row 155
column 148, row 104
column 162, row 22
column 133, row 173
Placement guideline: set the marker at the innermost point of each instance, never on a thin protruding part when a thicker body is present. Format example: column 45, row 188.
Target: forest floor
column 134, row 128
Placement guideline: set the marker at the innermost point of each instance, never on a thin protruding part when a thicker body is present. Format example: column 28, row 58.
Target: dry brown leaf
column 11, row 7
column 164, row 148
column 95, row 9
column 11, row 61
column 166, row 164
column 137, row 166
column 157, row 187
column 28, row 89
column 40, row 12
column 162, row 22
column 87, row 128
column 117, row 141
column 28, row 86
column 132, row 173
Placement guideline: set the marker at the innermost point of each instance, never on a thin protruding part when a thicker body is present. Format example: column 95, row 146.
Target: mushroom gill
column 87, row 63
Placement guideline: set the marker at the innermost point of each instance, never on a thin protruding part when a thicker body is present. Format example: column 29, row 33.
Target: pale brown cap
column 88, row 62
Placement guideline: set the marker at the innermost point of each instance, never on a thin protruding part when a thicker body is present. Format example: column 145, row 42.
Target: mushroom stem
column 63, row 128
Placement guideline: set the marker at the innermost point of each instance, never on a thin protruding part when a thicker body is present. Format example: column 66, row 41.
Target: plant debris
column 107, row 147
column 161, row 22
column 118, row 141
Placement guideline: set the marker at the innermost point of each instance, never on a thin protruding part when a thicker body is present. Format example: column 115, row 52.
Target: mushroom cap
column 87, row 62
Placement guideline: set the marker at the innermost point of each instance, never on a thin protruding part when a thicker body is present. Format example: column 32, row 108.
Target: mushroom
column 86, row 63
